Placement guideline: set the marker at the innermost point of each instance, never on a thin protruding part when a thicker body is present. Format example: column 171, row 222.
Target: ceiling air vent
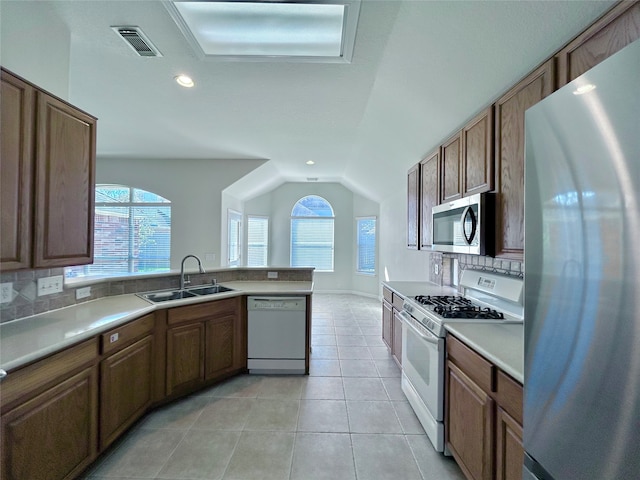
column 137, row 40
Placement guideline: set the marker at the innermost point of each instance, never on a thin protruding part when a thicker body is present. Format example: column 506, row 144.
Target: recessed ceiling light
column 184, row 81
column 582, row 89
column 310, row 162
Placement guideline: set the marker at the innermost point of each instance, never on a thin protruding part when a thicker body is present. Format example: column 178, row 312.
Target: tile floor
column 347, row 420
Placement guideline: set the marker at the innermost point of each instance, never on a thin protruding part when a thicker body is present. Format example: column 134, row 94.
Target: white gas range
column 488, row 298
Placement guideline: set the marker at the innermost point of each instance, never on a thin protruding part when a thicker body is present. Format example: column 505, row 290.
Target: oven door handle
column 408, row 321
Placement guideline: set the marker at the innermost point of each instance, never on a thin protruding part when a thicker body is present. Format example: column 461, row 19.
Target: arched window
column 312, row 233
column 132, row 233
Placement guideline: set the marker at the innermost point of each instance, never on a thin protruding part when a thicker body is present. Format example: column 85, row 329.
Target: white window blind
column 366, row 245
column 257, row 241
column 234, row 234
column 132, row 233
column 312, row 244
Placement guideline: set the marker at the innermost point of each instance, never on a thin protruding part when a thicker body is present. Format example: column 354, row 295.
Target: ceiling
column 420, row 70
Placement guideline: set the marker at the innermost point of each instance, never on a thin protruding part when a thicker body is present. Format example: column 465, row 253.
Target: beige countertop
column 500, row 343
column 25, row 340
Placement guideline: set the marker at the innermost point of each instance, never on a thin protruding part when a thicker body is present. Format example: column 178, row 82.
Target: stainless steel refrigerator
column 582, row 277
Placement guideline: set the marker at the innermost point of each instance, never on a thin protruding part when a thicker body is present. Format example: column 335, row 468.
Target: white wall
column 195, row 190
column 277, row 205
column 35, row 46
column 397, row 262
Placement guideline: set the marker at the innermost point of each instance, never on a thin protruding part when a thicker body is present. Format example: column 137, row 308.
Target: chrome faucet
column 183, row 282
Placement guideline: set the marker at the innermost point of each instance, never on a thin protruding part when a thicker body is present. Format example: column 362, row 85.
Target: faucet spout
column 183, row 282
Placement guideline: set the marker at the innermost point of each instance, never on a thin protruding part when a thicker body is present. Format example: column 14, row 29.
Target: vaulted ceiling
column 420, row 69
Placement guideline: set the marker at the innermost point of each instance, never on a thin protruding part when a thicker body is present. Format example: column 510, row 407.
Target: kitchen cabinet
column 429, row 195
column 509, row 158
column 477, row 154
column 619, row 27
column 392, row 323
column 413, row 201
column 450, row 173
column 205, row 342
column 483, row 416
column 126, row 376
column 48, row 154
column 50, row 416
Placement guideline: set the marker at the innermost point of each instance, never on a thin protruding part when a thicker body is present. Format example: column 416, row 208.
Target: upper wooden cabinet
column 477, row 154
column 450, row 161
column 619, row 27
column 429, row 195
column 16, row 163
column 509, row 158
column 467, row 159
column 48, row 179
column 413, row 200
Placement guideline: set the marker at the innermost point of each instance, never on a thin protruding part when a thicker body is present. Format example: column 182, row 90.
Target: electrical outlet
column 6, row 292
column 272, row 274
column 436, row 268
column 49, row 285
column 83, row 292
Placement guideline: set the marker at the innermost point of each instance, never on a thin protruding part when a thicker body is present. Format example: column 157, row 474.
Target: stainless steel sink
column 209, row 289
column 166, row 295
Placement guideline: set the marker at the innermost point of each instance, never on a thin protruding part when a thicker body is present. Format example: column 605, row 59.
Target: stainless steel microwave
column 464, row 225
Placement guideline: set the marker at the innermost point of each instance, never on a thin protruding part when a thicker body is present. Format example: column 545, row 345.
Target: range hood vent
column 137, row 40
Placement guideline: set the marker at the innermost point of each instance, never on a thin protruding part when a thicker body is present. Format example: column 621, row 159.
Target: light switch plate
column 49, row 285
column 6, row 292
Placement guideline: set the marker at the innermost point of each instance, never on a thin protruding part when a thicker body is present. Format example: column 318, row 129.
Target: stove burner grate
column 443, row 300
column 468, row 312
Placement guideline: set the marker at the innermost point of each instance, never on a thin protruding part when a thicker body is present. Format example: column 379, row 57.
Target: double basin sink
column 166, row 295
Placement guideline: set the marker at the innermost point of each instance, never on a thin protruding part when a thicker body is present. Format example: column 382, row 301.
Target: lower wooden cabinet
column 392, row 323
column 204, row 343
column 470, row 425
column 50, row 425
column 396, row 351
column 483, row 416
column 387, row 323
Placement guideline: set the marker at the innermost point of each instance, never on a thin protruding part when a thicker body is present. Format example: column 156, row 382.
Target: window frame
column 234, row 216
column 358, row 244
column 296, row 218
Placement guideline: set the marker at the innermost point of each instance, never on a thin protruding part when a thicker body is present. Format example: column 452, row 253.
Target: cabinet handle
column 3, row 374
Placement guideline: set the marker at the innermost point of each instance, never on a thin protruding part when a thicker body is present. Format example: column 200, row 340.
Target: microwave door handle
column 468, row 211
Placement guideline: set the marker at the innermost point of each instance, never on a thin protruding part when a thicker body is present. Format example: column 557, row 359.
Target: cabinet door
column 509, row 182
column 54, row 435
column 469, row 425
column 509, row 450
column 64, row 184
column 429, row 195
column 125, row 388
column 616, row 29
column 220, row 346
column 387, row 325
column 185, row 357
column 450, row 171
column 397, row 337
column 477, row 154
column 16, row 163
column 413, row 199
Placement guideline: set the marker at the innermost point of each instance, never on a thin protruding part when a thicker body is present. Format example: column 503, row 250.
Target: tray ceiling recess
column 321, row 31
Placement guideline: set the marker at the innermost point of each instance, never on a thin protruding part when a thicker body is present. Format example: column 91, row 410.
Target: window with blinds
column 312, row 222
column 132, row 233
column 257, row 241
column 366, row 245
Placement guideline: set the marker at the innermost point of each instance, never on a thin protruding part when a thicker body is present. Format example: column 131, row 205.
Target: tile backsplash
column 446, row 266
column 26, row 302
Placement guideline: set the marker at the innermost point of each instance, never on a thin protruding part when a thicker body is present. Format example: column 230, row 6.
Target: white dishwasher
column 277, row 334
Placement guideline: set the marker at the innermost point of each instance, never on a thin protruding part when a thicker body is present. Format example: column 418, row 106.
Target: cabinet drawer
column 509, row 395
column 22, row 384
column 122, row 336
column 387, row 294
column 202, row 310
column 475, row 366
column 397, row 301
